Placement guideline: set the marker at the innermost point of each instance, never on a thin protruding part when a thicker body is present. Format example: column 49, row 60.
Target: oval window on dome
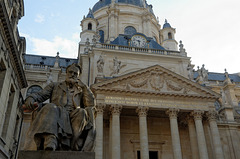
column 129, row 30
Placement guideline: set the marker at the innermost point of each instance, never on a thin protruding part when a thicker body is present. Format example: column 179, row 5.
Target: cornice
column 12, row 46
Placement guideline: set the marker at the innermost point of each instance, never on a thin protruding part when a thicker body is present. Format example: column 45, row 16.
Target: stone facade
column 150, row 101
column 12, row 77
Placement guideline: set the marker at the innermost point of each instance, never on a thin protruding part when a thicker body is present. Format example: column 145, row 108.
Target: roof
column 123, row 40
column 90, row 14
column 166, row 25
column 212, row 76
column 48, row 60
column 102, row 3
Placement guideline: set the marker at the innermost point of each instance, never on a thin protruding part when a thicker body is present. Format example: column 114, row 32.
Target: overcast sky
column 209, row 29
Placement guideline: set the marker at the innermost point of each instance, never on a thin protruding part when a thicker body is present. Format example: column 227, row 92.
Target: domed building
column 150, row 102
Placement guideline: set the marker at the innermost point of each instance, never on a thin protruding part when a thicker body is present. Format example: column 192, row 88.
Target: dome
column 102, row 3
column 166, row 25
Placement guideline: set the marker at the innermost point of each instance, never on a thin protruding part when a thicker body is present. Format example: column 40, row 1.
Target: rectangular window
column 2, row 75
column 8, row 112
column 152, row 155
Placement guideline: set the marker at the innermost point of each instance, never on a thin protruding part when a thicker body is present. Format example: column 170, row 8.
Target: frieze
column 155, row 103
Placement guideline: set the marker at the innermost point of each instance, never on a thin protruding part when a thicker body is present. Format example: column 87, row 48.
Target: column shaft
column 177, row 153
column 116, row 145
column 99, row 134
column 217, row 145
column 193, row 138
column 142, row 112
column 200, row 135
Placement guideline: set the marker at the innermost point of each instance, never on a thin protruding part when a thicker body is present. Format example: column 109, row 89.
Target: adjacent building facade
column 12, row 77
column 151, row 104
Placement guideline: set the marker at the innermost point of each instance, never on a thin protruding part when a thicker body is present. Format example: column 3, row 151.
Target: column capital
column 100, row 107
column 172, row 112
column 212, row 115
column 115, row 109
column 197, row 114
column 142, row 111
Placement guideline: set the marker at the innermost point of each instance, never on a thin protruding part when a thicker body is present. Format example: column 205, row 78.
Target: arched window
column 89, row 26
column 169, row 35
column 3, row 71
column 129, row 30
column 33, row 89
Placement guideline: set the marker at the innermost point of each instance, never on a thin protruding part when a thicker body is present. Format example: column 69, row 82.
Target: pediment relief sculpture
column 155, row 79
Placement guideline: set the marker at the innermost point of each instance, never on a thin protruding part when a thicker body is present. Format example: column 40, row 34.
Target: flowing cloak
column 58, row 122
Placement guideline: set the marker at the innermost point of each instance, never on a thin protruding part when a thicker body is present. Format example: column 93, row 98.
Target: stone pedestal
column 55, row 155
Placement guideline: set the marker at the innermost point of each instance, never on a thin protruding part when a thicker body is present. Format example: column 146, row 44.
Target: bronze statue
column 68, row 121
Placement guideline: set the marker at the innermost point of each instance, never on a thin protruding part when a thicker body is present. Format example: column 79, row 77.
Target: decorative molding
column 142, row 111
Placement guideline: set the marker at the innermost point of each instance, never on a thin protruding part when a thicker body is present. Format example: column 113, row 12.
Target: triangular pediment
column 155, row 80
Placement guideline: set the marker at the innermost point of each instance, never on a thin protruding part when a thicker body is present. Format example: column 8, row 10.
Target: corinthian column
column 200, row 134
column 193, row 137
column 177, row 153
column 99, row 134
column 142, row 113
column 215, row 135
column 116, row 149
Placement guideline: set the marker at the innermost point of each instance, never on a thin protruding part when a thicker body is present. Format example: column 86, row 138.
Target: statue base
column 55, row 155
